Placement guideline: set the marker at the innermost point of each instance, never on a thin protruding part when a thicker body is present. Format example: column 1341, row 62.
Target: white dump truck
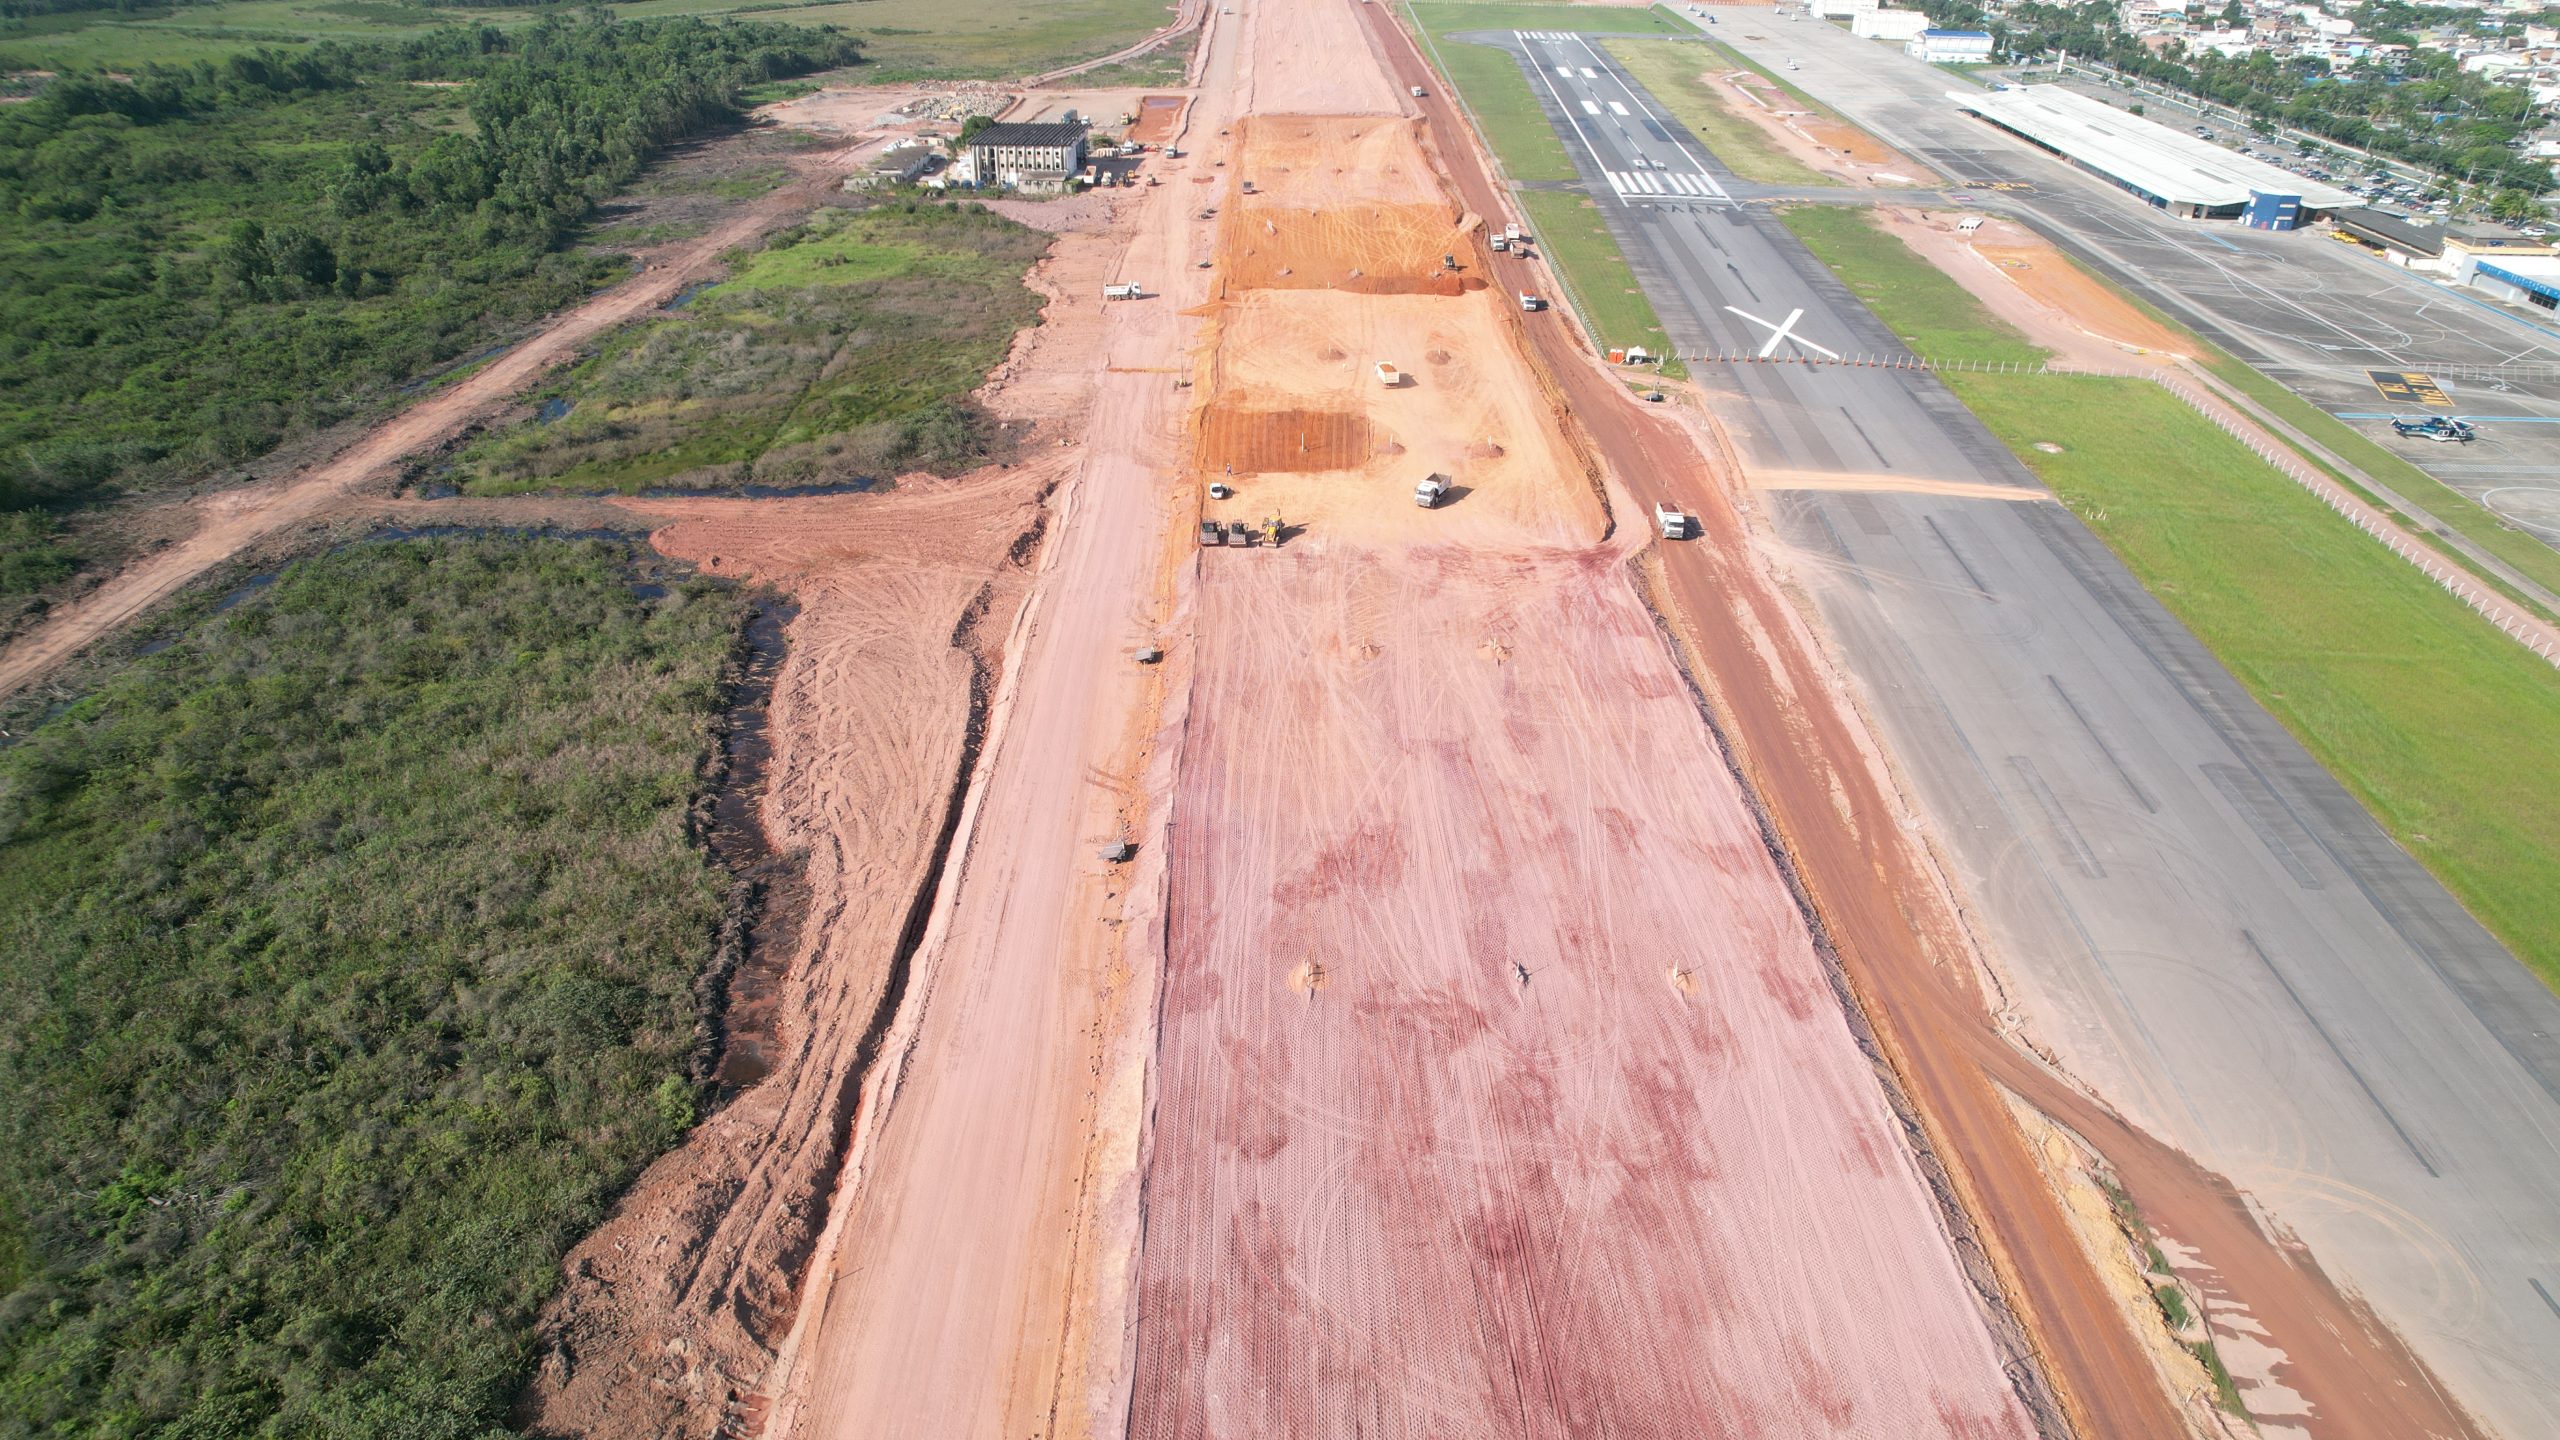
column 1512, row 235
column 1389, row 376
column 1123, row 292
column 1530, row 302
column 1674, row 523
column 1500, row 244
column 1417, row 92
column 1428, row 491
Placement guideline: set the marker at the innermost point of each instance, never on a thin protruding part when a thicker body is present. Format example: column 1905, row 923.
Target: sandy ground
column 1313, row 59
column 1863, row 858
column 676, row 1307
column 1827, row 145
column 2025, row 281
column 964, row 1284
column 1500, row 1089
column 231, row 520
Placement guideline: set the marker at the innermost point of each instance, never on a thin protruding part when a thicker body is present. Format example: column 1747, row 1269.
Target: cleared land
column 2430, row 717
column 1500, row 1090
column 351, row 941
column 840, row 352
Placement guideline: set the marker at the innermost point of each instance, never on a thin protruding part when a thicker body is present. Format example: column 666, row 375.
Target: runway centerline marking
column 1782, row 332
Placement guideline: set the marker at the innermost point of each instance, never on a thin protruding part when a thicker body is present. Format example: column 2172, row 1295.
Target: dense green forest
column 348, row 946
column 2426, row 112
column 843, row 350
column 202, row 261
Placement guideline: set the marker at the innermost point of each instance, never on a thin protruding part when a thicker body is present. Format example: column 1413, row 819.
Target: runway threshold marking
column 2410, row 387
column 1783, row 332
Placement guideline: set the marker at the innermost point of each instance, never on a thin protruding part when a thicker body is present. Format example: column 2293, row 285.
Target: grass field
column 1442, row 19
column 348, row 944
column 2459, row 512
column 2441, row 726
column 902, row 39
column 1803, row 101
column 1571, row 234
column 1673, row 72
column 842, row 351
column 1933, row 314
column 1505, row 111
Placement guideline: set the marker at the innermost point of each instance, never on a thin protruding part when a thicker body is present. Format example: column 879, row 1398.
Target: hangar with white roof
column 2179, row 173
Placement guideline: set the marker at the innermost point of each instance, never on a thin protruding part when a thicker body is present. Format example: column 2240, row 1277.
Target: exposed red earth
column 1500, row 1088
column 1860, row 855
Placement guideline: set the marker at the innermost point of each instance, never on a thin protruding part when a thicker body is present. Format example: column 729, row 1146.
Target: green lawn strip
column 1938, row 318
column 1672, row 71
column 349, row 946
column 843, row 350
column 1506, row 112
column 1444, row 19
column 1572, row 235
column 2440, row 725
column 2450, row 507
column 2458, row 512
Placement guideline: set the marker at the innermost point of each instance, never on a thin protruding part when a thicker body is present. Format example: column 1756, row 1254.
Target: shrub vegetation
column 843, row 350
column 205, row 260
column 347, row 945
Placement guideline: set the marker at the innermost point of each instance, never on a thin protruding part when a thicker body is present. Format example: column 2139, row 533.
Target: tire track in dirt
column 232, row 520
column 1884, row 904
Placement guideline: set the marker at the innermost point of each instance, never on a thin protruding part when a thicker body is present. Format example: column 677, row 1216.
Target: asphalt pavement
column 2188, row 909
column 2310, row 310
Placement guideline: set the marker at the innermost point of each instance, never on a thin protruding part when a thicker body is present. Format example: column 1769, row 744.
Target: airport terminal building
column 2179, row 173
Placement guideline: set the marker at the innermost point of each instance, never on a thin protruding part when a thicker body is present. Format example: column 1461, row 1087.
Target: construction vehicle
column 1500, row 245
column 1239, row 533
column 1212, row 533
column 1271, row 528
column 1417, row 92
column 1530, row 302
column 1448, row 262
column 1389, row 376
column 1675, row 524
column 1511, row 234
column 1430, row 490
column 1123, row 292
column 2435, row 427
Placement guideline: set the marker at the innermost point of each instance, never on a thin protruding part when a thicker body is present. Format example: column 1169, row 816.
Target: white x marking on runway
column 1782, row 332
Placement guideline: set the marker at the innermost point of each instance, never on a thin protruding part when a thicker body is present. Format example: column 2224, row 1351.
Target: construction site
column 1343, row 887
column 1420, row 940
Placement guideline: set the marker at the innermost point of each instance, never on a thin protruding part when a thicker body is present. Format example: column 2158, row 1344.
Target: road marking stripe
column 1590, row 107
column 1589, row 74
column 1617, row 109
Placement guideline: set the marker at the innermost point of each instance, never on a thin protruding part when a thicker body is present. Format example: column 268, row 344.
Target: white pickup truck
column 1674, row 523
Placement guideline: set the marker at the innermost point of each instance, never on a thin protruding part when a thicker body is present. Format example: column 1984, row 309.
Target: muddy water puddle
column 747, row 1009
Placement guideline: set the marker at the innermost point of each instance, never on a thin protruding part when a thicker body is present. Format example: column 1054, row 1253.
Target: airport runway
column 2311, row 311
column 2191, row 912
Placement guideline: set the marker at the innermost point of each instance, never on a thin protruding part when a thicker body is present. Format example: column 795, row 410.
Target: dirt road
column 232, row 520
column 1810, row 760
column 955, row 1291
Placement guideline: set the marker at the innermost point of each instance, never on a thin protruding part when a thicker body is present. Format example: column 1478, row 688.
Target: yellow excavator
column 1271, row 528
